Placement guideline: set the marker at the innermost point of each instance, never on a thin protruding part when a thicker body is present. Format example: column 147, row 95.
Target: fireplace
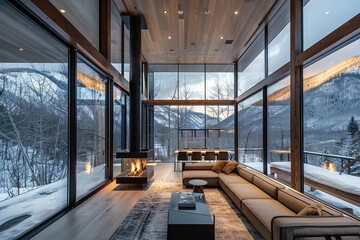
column 136, row 158
column 134, row 169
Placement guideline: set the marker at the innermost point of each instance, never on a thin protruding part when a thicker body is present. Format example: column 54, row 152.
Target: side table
column 198, row 185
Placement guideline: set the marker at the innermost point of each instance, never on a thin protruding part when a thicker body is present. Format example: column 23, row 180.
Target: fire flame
column 136, row 168
column 330, row 166
column 88, row 168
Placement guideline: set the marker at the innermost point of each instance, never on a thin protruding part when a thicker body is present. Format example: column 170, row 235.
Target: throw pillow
column 313, row 209
column 229, row 167
column 219, row 166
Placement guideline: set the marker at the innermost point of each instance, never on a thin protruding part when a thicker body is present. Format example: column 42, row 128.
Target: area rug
column 148, row 219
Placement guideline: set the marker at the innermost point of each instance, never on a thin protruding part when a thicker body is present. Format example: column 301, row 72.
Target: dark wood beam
column 105, row 29
column 190, row 102
column 296, row 121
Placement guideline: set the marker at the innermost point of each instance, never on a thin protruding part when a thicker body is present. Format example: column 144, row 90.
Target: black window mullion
column 72, row 133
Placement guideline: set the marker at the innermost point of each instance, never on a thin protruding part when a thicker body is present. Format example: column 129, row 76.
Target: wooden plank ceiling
column 199, row 34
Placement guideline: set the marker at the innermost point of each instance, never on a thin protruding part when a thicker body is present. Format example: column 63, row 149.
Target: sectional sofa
column 272, row 207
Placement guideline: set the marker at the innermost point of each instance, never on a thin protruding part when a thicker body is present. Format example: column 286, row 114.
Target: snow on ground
column 45, row 201
column 345, row 182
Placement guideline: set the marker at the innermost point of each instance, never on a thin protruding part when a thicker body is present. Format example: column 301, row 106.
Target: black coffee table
column 190, row 224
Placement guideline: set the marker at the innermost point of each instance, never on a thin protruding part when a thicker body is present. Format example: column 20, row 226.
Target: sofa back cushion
column 199, row 166
column 291, row 201
column 297, row 201
column 244, row 173
column 266, row 185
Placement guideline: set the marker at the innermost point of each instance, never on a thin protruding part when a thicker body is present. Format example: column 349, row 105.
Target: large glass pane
column 119, row 128
column 331, row 128
column 116, row 37
column 278, row 140
column 166, row 125
column 91, row 124
column 251, row 66
column 220, row 82
column 191, row 82
column 250, row 136
column 84, row 15
column 33, row 124
column 163, row 81
column 279, row 39
column 220, row 127
column 192, row 127
column 321, row 17
column 126, row 53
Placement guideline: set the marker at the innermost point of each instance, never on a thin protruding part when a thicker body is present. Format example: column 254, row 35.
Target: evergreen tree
column 350, row 146
column 353, row 127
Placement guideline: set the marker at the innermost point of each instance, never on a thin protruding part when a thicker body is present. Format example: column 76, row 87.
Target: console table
column 195, row 224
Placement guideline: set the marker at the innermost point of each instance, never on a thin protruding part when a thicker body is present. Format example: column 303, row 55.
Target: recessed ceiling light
column 207, row 12
column 21, row 49
column 236, row 12
column 62, row 10
column 180, row 12
column 202, row 58
column 179, row 58
column 327, row 13
column 221, row 37
column 165, row 11
column 169, row 37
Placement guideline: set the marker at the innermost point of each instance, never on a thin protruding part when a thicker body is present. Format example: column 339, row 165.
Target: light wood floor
column 99, row 216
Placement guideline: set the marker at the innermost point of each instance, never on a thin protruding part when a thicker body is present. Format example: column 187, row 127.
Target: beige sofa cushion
column 219, row 166
column 313, row 209
column 199, row 166
column 245, row 173
column 267, row 185
column 246, row 191
column 230, row 167
column 266, row 209
column 211, row 177
column 231, row 178
column 297, row 201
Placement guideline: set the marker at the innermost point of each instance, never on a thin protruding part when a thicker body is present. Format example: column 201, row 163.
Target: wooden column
column 296, row 97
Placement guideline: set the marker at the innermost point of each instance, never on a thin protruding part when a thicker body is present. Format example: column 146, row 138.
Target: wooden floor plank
column 99, row 216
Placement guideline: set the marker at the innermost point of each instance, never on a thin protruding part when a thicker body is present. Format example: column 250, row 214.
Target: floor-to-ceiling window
column 33, row 124
column 250, row 136
column 119, row 127
column 278, row 126
column 331, row 128
column 91, row 128
column 197, row 126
